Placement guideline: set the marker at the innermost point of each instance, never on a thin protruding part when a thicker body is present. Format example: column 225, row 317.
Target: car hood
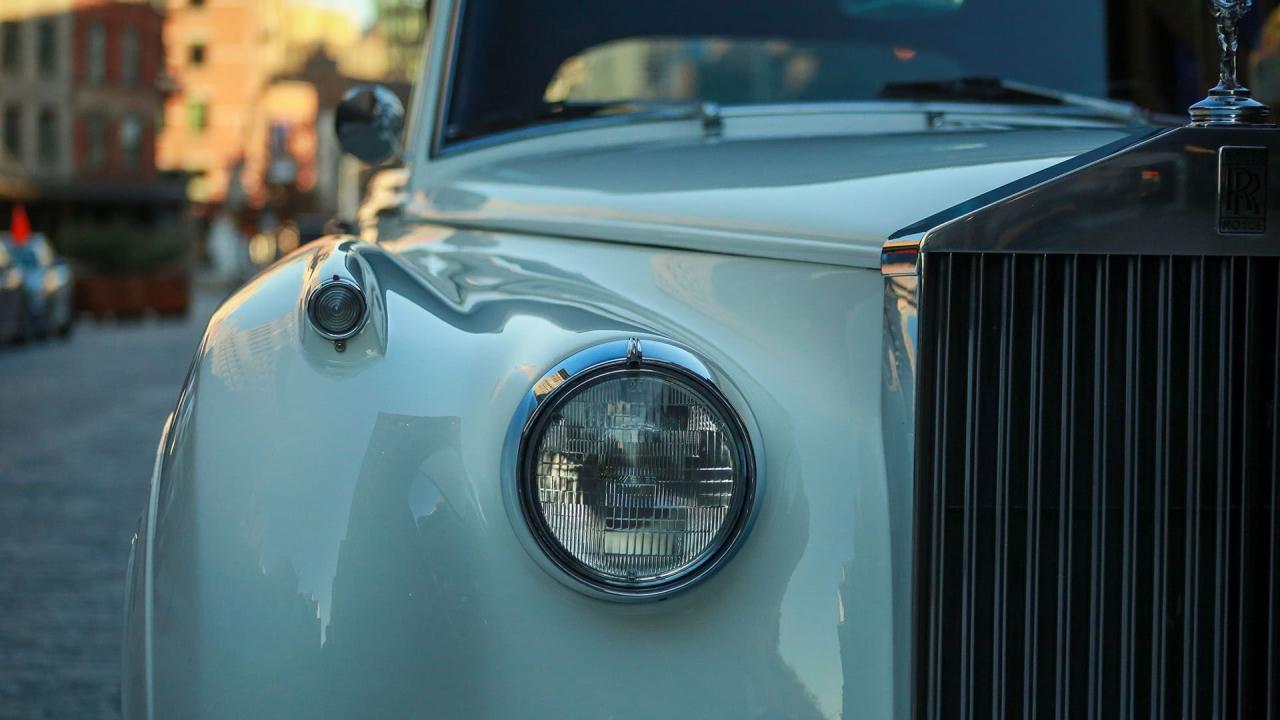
column 826, row 199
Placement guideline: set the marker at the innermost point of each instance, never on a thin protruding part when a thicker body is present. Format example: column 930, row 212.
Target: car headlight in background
column 636, row 475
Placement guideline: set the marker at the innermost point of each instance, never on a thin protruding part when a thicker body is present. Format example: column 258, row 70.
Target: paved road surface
column 79, row 422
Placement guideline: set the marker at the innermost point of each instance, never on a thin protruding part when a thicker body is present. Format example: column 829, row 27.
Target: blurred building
column 35, row 95
column 119, row 81
column 81, row 89
column 223, row 56
column 402, row 27
column 256, row 84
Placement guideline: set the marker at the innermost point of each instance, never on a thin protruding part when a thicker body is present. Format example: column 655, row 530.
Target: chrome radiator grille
column 1097, row 498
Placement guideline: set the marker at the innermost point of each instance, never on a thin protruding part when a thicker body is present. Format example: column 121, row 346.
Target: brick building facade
column 82, row 84
column 35, row 95
column 119, row 79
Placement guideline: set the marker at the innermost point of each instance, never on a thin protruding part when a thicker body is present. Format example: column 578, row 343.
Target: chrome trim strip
column 901, row 267
column 445, row 81
column 901, row 257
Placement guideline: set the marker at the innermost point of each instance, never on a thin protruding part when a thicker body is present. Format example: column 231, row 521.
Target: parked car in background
column 13, row 299
column 46, row 282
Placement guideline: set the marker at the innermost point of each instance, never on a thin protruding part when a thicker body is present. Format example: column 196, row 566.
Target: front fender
column 328, row 535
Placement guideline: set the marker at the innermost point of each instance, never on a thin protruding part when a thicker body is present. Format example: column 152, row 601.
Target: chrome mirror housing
column 370, row 124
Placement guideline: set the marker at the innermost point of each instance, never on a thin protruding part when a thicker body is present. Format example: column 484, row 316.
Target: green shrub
column 120, row 247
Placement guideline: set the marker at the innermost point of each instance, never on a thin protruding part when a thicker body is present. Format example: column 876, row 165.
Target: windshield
column 526, row 62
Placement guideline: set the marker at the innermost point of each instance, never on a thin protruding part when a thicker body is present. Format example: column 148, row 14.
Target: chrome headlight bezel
column 593, row 365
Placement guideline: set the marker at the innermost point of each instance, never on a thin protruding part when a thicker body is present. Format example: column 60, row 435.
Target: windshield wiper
column 1007, row 92
column 707, row 112
column 565, row 111
column 577, row 110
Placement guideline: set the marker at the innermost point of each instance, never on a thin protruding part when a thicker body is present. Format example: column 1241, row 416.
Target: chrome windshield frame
column 444, row 79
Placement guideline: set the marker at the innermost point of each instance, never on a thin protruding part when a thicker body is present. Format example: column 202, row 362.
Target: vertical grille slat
column 1097, row 459
column 1271, row 685
column 1097, row 506
column 1133, row 319
column 1221, row 486
column 937, row 494
column 1003, row 471
column 1065, row 521
column 1191, row 509
column 1030, row 604
column 973, row 400
column 1236, row 669
column 1160, row 493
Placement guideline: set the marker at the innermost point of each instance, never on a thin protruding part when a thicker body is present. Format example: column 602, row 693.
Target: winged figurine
column 1229, row 102
column 1228, row 13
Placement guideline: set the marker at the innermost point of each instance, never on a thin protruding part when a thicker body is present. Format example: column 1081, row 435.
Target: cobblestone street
column 79, row 422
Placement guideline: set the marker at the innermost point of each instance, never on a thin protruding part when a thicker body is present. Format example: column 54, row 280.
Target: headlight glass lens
column 638, row 476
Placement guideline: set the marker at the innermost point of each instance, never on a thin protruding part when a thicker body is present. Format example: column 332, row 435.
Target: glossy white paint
column 790, row 195
column 330, row 538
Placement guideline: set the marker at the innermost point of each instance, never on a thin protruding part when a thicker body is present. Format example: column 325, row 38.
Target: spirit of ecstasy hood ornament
column 1229, row 102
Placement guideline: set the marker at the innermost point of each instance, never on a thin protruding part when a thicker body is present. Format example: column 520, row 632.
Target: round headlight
column 636, row 476
column 337, row 310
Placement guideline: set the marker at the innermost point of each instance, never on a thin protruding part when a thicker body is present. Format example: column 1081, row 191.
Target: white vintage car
column 743, row 360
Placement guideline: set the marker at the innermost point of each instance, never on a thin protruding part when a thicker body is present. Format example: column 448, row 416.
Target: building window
column 13, row 131
column 129, row 57
column 47, row 48
column 97, row 54
column 131, row 142
column 198, row 115
column 47, row 145
column 96, row 135
column 195, row 54
column 11, row 46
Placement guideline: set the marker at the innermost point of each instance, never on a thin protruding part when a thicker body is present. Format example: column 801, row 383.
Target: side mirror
column 370, row 123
